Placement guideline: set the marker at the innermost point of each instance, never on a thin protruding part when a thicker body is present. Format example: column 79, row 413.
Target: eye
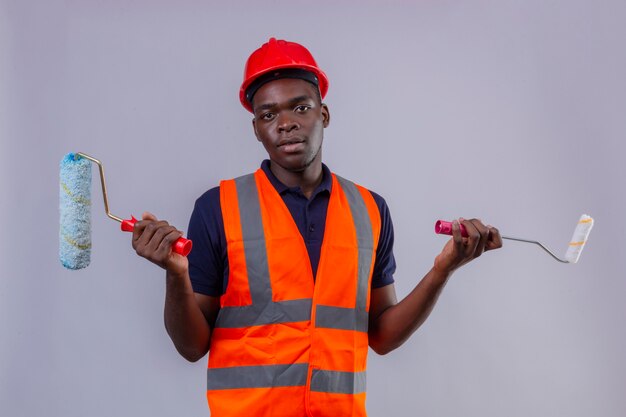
column 266, row 116
column 303, row 108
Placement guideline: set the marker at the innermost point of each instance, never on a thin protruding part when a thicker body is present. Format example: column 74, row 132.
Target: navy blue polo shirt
column 208, row 260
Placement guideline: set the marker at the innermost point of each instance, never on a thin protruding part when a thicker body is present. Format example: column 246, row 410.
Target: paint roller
column 75, row 208
column 574, row 249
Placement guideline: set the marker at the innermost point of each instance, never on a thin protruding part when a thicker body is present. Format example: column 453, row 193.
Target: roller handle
column 443, row 227
column 182, row 246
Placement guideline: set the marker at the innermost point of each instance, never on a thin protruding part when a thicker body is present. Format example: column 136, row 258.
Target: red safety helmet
column 279, row 54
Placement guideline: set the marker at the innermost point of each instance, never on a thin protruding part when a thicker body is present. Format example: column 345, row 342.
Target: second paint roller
column 574, row 249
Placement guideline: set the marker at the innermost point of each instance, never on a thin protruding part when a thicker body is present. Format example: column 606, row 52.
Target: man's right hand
column 153, row 240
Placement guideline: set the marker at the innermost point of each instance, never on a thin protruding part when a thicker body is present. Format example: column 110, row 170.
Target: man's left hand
column 460, row 250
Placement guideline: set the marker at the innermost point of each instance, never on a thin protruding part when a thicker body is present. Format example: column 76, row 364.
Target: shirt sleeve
column 385, row 263
column 207, row 259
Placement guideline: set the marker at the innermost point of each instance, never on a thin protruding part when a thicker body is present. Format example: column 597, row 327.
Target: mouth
column 291, row 145
column 290, row 141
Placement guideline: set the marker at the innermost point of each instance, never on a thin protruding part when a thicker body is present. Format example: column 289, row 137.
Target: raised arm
column 188, row 316
column 392, row 323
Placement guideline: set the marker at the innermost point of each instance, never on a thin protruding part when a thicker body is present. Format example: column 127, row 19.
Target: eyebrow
column 291, row 102
column 299, row 99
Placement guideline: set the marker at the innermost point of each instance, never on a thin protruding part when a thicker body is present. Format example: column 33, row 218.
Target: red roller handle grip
column 443, row 227
column 182, row 246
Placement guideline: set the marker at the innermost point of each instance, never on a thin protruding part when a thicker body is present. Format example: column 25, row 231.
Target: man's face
column 289, row 120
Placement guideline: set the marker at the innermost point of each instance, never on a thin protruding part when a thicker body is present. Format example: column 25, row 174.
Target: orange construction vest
column 284, row 343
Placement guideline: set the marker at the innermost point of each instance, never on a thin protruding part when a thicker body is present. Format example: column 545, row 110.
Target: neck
column 307, row 179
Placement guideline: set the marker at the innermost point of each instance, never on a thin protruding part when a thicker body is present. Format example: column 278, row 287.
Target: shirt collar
column 325, row 185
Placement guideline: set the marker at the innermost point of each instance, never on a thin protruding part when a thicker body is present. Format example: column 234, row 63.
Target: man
column 290, row 279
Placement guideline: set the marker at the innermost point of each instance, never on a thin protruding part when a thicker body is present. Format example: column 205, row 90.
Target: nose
column 286, row 123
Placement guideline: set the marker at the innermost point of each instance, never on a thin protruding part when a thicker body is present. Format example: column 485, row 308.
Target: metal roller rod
column 536, row 243
column 104, row 187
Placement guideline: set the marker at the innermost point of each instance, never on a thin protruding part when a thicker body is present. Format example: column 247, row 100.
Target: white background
column 510, row 111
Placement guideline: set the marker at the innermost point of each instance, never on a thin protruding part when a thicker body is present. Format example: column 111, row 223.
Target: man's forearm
column 184, row 321
column 398, row 322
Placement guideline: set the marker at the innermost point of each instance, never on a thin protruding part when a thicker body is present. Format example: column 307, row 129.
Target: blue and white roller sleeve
column 75, row 209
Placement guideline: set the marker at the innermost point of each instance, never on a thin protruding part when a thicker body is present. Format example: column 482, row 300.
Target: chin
column 294, row 166
column 295, row 163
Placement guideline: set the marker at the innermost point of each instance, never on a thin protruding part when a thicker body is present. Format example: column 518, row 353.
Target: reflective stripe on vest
column 353, row 318
column 264, row 311
column 268, row 376
column 262, row 376
column 338, row 382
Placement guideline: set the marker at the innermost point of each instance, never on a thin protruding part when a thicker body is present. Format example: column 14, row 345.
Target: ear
column 254, row 128
column 325, row 115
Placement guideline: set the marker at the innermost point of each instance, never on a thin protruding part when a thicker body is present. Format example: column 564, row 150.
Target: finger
column 473, row 238
column 138, row 231
column 159, row 235
column 484, row 236
column 457, row 237
column 145, row 231
column 149, row 242
column 165, row 246
column 152, row 249
column 495, row 239
column 148, row 216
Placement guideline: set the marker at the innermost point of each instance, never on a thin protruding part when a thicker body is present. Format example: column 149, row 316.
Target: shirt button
column 312, row 227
